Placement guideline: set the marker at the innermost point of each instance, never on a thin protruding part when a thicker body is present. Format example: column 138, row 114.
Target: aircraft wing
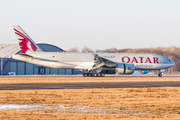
column 100, row 61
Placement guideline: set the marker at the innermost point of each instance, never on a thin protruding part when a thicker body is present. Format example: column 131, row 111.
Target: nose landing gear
column 160, row 74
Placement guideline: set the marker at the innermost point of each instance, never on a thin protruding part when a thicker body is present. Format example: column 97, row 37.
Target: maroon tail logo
column 24, row 41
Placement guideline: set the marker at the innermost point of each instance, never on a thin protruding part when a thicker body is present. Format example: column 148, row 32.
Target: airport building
column 23, row 68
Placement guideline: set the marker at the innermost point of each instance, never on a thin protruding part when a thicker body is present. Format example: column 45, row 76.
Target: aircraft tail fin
column 25, row 42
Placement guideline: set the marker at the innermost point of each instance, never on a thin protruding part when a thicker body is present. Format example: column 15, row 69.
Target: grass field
column 76, row 78
column 19, row 115
column 147, row 102
column 131, row 103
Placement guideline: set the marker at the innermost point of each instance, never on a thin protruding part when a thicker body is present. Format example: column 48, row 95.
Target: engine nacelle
column 125, row 68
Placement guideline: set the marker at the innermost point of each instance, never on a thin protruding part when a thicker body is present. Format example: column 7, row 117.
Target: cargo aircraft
column 94, row 64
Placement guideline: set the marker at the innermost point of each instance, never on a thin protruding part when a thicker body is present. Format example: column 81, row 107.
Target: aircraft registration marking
column 111, row 56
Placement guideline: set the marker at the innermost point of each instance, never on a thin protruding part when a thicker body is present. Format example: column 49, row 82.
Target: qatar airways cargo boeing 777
column 95, row 64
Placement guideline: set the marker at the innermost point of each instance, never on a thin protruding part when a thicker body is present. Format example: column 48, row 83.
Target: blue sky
column 98, row 24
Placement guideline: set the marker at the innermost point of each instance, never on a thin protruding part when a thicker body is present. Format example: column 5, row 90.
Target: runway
column 88, row 85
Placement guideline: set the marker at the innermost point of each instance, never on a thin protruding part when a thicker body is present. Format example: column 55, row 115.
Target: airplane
column 93, row 64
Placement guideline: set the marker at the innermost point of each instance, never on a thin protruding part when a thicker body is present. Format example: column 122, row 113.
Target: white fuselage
column 67, row 60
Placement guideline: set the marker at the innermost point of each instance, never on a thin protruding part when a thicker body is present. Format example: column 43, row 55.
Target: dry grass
column 152, row 102
column 76, row 78
column 19, row 115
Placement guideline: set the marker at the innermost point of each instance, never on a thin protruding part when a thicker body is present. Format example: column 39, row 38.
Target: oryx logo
column 25, row 43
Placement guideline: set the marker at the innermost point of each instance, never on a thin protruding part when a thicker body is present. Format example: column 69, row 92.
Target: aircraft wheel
column 94, row 75
column 160, row 74
column 98, row 75
column 85, row 74
column 90, row 75
column 102, row 75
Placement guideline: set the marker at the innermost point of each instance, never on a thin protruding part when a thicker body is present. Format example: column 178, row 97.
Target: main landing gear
column 93, row 75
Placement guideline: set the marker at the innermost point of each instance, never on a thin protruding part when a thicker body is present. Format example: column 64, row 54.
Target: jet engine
column 125, row 68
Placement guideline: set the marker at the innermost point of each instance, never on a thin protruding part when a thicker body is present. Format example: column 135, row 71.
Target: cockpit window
column 169, row 59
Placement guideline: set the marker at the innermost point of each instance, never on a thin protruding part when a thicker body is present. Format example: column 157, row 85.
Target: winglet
column 25, row 42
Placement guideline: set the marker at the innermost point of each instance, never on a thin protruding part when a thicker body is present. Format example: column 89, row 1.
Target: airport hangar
column 23, row 68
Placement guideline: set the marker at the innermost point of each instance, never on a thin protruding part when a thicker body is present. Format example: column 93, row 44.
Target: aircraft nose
column 172, row 63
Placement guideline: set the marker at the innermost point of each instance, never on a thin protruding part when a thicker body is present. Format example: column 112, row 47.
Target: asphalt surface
column 72, row 76
column 86, row 85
